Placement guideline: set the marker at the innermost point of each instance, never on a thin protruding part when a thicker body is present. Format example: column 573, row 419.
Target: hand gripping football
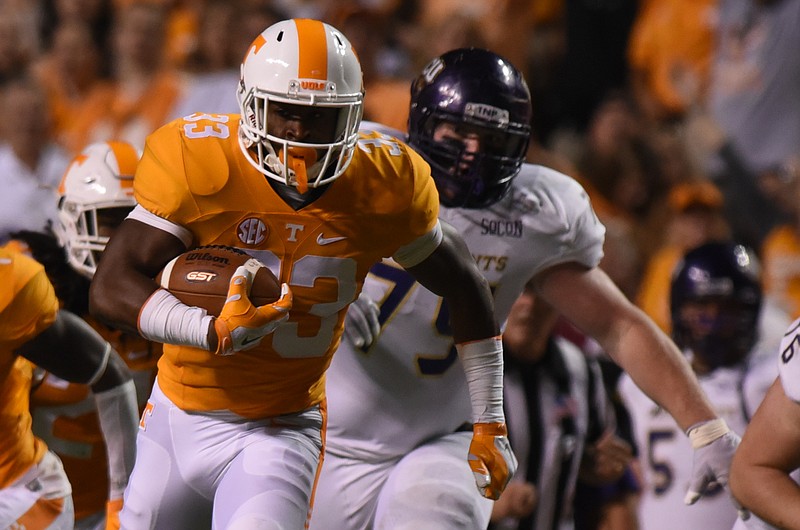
column 200, row 277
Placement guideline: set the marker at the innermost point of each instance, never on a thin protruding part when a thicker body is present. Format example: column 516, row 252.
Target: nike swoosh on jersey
column 328, row 240
column 248, row 342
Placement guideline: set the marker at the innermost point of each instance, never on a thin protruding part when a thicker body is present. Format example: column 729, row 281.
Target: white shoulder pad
column 790, row 361
column 564, row 221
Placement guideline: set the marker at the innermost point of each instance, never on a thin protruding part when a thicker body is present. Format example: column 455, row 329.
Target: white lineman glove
column 241, row 325
column 361, row 324
column 714, row 445
column 491, row 459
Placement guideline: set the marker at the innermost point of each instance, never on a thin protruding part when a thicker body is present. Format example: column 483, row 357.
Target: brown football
column 200, row 277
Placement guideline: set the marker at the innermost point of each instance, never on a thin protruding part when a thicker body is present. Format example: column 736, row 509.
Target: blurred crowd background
column 681, row 118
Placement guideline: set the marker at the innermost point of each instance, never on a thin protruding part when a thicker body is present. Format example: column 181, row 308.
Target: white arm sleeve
column 119, row 419
column 789, row 366
column 483, row 366
column 163, row 318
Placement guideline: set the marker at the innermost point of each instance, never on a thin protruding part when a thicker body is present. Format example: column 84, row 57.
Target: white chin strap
column 276, row 164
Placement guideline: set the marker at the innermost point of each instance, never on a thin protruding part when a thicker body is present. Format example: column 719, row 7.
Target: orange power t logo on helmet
column 78, row 160
column 256, row 45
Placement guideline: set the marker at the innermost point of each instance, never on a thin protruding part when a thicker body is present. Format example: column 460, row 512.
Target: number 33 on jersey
column 192, row 174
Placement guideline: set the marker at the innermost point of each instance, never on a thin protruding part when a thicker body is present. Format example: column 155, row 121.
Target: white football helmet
column 97, row 184
column 301, row 62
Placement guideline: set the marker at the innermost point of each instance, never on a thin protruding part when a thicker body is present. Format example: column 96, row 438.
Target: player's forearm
column 770, row 494
column 483, row 366
column 470, row 325
column 469, row 300
column 481, row 351
column 663, row 373
column 125, row 276
column 165, row 319
column 117, row 301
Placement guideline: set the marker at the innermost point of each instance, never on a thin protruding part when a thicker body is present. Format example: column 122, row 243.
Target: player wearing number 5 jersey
column 234, row 429
column 397, row 405
column 730, row 337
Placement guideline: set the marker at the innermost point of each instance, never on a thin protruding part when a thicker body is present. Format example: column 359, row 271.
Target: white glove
column 361, row 323
column 714, row 445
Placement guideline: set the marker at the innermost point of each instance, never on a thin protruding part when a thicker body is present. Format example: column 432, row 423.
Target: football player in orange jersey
column 34, row 490
column 96, row 193
column 234, row 428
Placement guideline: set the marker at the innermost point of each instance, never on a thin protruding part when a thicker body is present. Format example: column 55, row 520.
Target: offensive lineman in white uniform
column 764, row 471
column 730, row 337
column 399, row 412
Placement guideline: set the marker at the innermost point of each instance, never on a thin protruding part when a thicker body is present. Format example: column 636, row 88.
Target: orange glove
column 241, row 325
column 491, row 459
column 113, row 507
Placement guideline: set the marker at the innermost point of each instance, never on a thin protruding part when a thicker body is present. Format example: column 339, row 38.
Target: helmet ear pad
column 479, row 90
column 715, row 303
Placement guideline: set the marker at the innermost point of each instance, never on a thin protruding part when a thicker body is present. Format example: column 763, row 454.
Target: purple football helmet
column 483, row 93
column 715, row 301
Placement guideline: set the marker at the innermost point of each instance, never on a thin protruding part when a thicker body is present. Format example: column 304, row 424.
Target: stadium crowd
column 679, row 118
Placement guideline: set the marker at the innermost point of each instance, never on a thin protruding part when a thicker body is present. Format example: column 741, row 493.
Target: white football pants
column 218, row 470
column 41, row 499
column 430, row 488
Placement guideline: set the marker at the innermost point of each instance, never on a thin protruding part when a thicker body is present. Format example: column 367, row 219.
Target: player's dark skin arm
column 137, row 252
column 72, row 350
column 451, row 272
column 124, row 277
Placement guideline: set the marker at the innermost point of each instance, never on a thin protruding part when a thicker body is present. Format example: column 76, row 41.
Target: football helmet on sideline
column 300, row 62
column 485, row 94
column 96, row 192
column 715, row 301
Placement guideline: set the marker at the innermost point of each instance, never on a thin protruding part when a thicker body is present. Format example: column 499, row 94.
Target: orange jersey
column 194, row 174
column 65, row 417
column 28, row 306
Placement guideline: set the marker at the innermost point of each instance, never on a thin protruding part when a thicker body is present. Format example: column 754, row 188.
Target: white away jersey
column 789, row 361
column 666, row 454
column 410, row 386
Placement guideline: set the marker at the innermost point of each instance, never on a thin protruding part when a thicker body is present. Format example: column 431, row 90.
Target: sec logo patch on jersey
column 252, row 231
